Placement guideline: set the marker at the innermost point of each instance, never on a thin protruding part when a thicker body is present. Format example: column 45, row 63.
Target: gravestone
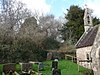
column 49, row 56
column 40, row 66
column 55, row 64
column 26, row 67
column 56, row 72
column 9, row 68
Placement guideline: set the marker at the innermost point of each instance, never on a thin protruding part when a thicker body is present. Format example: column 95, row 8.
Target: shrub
column 50, row 44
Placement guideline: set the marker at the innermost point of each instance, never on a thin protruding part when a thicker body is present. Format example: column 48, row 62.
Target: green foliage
column 28, row 51
column 18, row 68
column 24, row 46
column 1, row 66
column 27, row 45
column 50, row 44
column 23, row 51
column 96, row 21
column 74, row 28
column 35, row 67
column 5, row 53
column 67, row 68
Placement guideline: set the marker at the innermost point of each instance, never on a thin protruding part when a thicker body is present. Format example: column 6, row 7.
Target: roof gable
column 88, row 38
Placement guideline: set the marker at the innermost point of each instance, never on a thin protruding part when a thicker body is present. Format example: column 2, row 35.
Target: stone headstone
column 40, row 66
column 26, row 67
column 55, row 64
column 49, row 56
column 9, row 68
column 56, row 72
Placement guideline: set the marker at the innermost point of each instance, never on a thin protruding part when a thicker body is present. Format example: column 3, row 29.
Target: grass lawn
column 66, row 67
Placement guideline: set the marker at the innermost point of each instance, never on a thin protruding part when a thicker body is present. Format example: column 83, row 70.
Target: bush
column 50, row 44
column 24, row 50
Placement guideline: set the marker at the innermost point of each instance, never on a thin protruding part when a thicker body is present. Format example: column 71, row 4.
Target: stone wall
column 95, row 54
column 81, row 54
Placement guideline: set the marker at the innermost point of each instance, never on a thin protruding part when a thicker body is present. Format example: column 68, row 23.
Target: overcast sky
column 58, row 7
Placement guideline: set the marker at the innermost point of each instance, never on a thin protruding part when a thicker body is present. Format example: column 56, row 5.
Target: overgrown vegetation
column 23, row 39
column 50, row 44
column 66, row 67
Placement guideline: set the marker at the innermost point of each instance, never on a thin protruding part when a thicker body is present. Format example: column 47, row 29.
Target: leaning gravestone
column 9, row 68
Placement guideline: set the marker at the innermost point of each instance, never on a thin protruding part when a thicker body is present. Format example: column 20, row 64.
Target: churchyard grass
column 1, row 68
column 67, row 68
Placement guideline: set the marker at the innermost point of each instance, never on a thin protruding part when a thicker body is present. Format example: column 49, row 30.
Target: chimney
column 87, row 19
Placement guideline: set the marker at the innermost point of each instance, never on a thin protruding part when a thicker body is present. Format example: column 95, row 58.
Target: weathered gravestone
column 9, row 68
column 40, row 66
column 55, row 64
column 49, row 56
column 26, row 67
column 56, row 72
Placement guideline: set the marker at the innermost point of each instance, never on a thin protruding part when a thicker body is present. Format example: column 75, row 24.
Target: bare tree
column 13, row 13
column 50, row 25
column 12, row 16
column 30, row 30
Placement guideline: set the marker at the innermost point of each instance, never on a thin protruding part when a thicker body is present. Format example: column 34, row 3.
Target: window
column 89, row 59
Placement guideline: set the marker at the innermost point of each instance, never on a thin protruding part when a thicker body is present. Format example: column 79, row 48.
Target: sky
column 58, row 7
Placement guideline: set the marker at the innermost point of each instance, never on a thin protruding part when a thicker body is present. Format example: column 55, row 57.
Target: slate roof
column 87, row 39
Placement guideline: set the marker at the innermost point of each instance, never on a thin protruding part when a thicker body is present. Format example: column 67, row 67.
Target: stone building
column 85, row 45
column 88, row 46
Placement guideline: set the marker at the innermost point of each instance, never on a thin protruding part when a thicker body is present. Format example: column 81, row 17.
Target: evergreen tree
column 74, row 27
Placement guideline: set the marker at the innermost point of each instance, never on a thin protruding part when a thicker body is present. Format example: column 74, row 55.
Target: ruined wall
column 81, row 54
